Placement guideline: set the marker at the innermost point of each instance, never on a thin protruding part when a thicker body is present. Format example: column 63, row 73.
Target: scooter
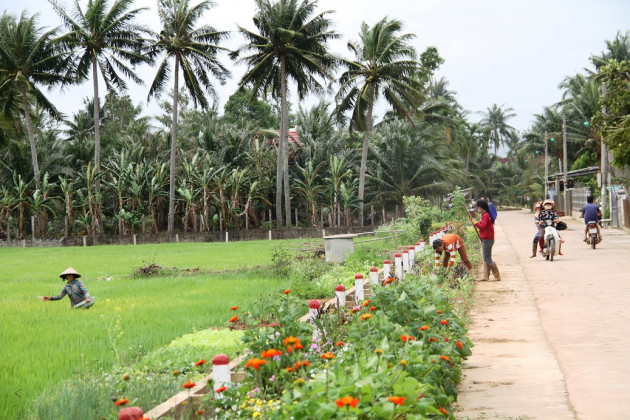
column 552, row 240
column 593, row 236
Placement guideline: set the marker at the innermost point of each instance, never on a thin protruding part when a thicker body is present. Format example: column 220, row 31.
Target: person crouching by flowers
column 74, row 288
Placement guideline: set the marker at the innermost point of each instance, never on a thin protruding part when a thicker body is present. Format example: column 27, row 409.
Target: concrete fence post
column 227, row 236
column 177, row 237
column 398, row 266
column 386, row 269
column 416, row 248
column 412, row 256
column 359, row 291
column 405, row 261
column 220, row 373
column 134, row 240
column 84, row 240
column 373, row 276
column 314, row 307
column 269, row 234
column 340, row 296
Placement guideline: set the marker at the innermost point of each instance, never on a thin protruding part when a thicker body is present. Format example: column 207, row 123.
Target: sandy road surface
column 552, row 338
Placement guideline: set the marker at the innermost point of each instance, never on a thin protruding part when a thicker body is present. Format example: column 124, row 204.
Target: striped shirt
column 452, row 243
column 76, row 291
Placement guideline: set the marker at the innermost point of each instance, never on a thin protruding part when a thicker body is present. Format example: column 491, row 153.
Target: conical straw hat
column 68, row 271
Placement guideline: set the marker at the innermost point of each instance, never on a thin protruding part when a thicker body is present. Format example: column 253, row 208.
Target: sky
column 513, row 53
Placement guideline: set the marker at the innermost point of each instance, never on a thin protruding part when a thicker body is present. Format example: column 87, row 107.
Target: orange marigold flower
column 200, row 362
column 347, row 400
column 286, row 292
column 404, row 338
column 372, row 308
column 444, row 322
column 339, row 343
column 432, row 339
column 290, row 369
column 255, row 363
column 355, row 309
column 298, row 346
column 443, row 410
column 328, row 355
column 396, row 400
column 290, row 340
column 188, row 385
column 365, row 303
column 233, row 319
column 423, row 328
column 378, row 351
column 126, row 376
column 176, row 372
column 220, row 389
column 122, row 401
column 460, row 345
column 201, row 411
column 365, row 316
column 439, row 311
column 445, row 358
column 268, row 354
column 403, row 362
column 233, row 308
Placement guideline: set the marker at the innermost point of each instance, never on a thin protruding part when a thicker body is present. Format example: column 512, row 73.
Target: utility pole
column 546, row 169
column 564, row 162
column 603, row 170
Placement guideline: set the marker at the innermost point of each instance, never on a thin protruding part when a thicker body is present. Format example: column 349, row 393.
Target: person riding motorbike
column 548, row 212
column 591, row 213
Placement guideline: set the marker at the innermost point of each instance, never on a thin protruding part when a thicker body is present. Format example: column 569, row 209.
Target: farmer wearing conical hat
column 74, row 288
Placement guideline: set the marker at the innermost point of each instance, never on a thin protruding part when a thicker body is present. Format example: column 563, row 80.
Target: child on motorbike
column 548, row 212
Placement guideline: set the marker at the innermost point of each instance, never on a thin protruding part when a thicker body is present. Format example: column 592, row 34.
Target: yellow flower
column 378, row 351
column 299, row 381
column 403, row 362
column 256, row 414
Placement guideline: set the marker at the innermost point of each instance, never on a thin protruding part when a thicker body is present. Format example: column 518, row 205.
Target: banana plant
column 39, row 204
column 68, row 189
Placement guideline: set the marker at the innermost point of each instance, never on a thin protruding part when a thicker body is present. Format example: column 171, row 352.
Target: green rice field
column 44, row 343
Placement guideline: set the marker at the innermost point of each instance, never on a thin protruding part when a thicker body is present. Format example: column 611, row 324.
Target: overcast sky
column 508, row 52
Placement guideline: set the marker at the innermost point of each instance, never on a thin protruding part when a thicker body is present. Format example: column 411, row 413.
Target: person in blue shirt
column 591, row 213
column 75, row 289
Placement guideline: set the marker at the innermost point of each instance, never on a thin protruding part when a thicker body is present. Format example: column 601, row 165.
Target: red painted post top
column 386, row 262
column 373, row 270
column 314, row 304
column 421, row 240
column 220, row 359
column 405, row 251
column 358, row 276
column 398, row 255
column 340, row 288
column 412, row 247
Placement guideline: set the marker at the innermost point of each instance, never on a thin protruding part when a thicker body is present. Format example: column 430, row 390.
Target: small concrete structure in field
column 338, row 247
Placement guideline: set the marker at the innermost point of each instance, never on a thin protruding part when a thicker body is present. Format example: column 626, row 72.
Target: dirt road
column 551, row 338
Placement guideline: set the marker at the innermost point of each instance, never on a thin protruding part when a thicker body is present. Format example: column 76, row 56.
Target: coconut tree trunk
column 285, row 141
column 364, row 154
column 97, row 146
column 31, row 135
column 171, row 190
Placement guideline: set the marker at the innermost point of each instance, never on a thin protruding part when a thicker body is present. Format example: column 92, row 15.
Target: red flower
column 446, row 339
column 268, row 354
column 440, row 311
column 444, row 322
column 122, row 401
column 290, row 369
column 404, row 338
column 298, row 346
column 286, row 292
column 460, row 345
column 372, row 308
column 200, row 362
column 432, row 339
column 424, row 327
column 347, row 400
column 443, row 410
column 188, row 385
column 339, row 343
column 255, row 363
column 233, row 319
column 200, row 412
column 328, row 355
column 233, row 308
column 445, row 358
column 220, row 389
column 396, row 400
column 304, row 363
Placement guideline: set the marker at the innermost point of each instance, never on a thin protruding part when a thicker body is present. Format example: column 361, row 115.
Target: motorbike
column 592, row 238
column 552, row 240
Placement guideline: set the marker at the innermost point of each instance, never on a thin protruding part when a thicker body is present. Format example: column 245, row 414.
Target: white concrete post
column 422, row 243
column 359, row 292
column 416, row 248
column 134, row 240
column 340, row 295
column 398, row 266
column 386, row 269
column 405, row 261
column 373, row 276
column 84, row 240
column 412, row 256
column 269, row 234
column 220, row 373
column 177, row 237
column 313, row 313
column 227, row 236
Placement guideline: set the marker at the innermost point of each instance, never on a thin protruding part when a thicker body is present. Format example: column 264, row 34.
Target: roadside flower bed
column 396, row 355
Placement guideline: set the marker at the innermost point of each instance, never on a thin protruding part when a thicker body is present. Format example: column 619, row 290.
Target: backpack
column 493, row 212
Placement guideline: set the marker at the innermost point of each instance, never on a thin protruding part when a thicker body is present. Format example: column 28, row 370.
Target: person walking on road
column 591, row 213
column 486, row 234
column 451, row 244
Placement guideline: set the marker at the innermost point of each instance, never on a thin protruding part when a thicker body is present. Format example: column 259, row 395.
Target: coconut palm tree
column 290, row 43
column 496, row 117
column 28, row 57
column 104, row 40
column 194, row 51
column 384, row 63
